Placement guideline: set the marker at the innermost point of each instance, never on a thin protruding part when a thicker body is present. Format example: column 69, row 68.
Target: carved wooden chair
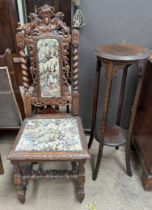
column 49, row 137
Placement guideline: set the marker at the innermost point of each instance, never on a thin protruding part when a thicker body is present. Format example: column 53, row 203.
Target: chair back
column 49, row 53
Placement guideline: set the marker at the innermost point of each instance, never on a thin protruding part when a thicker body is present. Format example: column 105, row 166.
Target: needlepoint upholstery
column 49, row 135
column 49, row 67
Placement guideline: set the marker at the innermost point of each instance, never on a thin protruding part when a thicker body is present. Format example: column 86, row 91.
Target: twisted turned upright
column 75, row 63
column 75, row 59
column 21, row 46
column 24, row 68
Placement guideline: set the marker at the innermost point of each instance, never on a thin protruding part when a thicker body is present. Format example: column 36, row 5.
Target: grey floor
column 113, row 190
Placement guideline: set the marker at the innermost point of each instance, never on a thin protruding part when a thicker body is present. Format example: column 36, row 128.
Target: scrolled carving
column 39, row 102
column 47, row 24
column 44, row 23
column 46, row 20
column 20, row 39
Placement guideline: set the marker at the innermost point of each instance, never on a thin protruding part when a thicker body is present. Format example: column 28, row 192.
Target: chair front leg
column 81, row 181
column 20, row 183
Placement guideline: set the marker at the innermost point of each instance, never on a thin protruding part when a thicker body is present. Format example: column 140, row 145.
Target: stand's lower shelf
column 115, row 136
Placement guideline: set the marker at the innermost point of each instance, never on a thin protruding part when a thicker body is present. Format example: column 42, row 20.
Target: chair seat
column 45, row 135
column 49, row 135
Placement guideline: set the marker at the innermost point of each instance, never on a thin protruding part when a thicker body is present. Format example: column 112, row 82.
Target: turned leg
column 142, row 69
column 95, row 102
column 109, row 73
column 121, row 97
column 1, row 166
column 68, row 109
column 20, row 184
column 75, row 167
column 81, row 181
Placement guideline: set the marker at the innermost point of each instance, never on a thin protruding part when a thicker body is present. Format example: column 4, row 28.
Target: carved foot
column 20, row 183
column 81, row 181
column 147, row 181
column 21, row 192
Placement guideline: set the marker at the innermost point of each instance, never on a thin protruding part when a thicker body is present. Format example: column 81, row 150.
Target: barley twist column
column 75, row 61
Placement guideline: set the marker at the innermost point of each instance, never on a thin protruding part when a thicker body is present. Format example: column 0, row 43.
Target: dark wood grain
column 69, row 42
column 49, row 24
column 114, row 58
column 121, row 96
column 95, row 101
column 8, row 24
column 143, row 128
column 122, row 52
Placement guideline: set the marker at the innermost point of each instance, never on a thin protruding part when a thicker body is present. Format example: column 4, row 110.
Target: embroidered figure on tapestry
column 49, row 68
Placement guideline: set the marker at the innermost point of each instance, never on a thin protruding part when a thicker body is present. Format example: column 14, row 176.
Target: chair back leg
column 1, row 166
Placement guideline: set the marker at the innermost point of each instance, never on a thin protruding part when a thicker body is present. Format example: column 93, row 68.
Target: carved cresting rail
column 48, row 23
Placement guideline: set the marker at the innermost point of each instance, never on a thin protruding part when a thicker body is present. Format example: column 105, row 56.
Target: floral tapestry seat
column 47, row 134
